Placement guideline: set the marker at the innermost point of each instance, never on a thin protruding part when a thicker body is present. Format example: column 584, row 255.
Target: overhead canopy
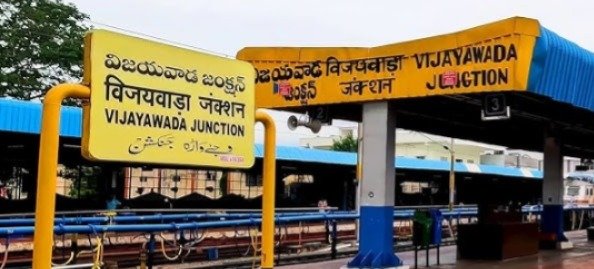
column 25, row 117
column 21, row 117
column 438, row 83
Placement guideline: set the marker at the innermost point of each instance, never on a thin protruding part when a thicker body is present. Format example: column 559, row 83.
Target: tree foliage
column 40, row 46
column 347, row 143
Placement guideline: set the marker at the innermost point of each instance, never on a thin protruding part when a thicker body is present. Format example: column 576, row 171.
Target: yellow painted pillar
column 47, row 170
column 269, row 178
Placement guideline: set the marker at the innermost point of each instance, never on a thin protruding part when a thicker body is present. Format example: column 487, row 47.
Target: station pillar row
column 376, row 209
column 553, row 188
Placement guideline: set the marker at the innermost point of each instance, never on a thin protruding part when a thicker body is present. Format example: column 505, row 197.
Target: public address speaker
column 314, row 125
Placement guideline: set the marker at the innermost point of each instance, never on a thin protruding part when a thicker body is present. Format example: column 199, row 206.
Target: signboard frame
column 165, row 104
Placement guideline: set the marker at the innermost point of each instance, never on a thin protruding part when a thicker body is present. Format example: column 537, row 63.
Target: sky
column 224, row 27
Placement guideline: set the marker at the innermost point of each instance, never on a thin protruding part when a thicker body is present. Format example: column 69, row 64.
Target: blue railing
column 177, row 222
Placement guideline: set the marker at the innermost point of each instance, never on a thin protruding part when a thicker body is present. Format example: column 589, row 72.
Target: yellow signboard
column 493, row 57
column 156, row 103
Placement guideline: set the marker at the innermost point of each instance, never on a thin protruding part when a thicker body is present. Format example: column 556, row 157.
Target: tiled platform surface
column 581, row 256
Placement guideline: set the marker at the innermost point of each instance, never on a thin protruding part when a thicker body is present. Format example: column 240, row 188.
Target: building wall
column 433, row 151
column 415, row 145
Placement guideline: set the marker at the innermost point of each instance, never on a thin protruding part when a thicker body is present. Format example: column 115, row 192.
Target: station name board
column 466, row 62
column 160, row 104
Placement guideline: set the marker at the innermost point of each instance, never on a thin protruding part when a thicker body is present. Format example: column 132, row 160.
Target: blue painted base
column 552, row 221
column 376, row 239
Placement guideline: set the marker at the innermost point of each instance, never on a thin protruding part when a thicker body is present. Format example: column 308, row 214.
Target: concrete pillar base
column 564, row 245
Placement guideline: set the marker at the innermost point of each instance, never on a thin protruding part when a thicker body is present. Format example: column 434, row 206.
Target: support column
column 376, row 233
column 552, row 189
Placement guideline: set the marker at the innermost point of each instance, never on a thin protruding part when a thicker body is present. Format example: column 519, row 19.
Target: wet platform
column 580, row 256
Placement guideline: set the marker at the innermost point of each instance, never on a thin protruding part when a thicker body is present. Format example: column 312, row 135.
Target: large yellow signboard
column 493, row 57
column 156, row 103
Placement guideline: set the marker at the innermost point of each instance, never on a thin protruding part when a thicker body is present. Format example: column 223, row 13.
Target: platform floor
column 580, row 256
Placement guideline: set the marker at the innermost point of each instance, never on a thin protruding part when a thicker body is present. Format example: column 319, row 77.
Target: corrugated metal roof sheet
column 299, row 154
column 25, row 117
column 562, row 70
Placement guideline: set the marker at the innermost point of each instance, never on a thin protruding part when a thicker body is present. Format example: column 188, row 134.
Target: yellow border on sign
column 166, row 104
column 409, row 82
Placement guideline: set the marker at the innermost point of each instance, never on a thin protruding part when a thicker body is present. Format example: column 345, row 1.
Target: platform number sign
column 495, row 107
column 321, row 113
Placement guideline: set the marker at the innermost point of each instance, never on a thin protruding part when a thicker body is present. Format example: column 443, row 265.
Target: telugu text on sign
column 489, row 58
column 155, row 103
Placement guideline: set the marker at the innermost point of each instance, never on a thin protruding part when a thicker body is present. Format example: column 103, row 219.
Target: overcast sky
column 226, row 26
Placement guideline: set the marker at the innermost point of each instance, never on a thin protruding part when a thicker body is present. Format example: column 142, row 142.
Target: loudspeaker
column 314, row 125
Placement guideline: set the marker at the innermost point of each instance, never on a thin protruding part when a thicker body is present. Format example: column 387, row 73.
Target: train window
column 573, row 190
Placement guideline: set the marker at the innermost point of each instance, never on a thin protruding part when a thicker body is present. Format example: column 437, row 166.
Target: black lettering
column 435, row 62
column 158, row 120
column 240, row 131
column 110, row 114
column 123, row 118
column 467, row 56
column 147, row 122
column 458, row 55
column 491, row 77
column 209, row 126
column 478, row 53
column 488, row 54
column 446, row 59
column 166, row 123
column 431, row 86
column 131, row 119
column 138, row 119
column 182, row 125
column 420, row 59
column 512, row 53
column 229, row 84
column 175, row 123
column 502, row 76
column 219, row 82
column 499, row 53
column 465, row 80
column 207, row 80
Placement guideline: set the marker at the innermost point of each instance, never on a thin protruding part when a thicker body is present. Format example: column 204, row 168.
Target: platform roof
column 548, row 83
column 25, row 117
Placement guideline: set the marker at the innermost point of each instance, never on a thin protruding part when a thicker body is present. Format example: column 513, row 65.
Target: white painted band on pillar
column 552, row 185
column 378, row 181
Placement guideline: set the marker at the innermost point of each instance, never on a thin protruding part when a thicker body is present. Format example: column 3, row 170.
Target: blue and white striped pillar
column 376, row 209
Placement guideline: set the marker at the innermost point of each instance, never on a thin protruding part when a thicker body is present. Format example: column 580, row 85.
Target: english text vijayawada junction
column 512, row 82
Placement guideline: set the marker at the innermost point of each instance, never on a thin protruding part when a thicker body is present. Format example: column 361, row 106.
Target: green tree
column 347, row 143
column 40, row 46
